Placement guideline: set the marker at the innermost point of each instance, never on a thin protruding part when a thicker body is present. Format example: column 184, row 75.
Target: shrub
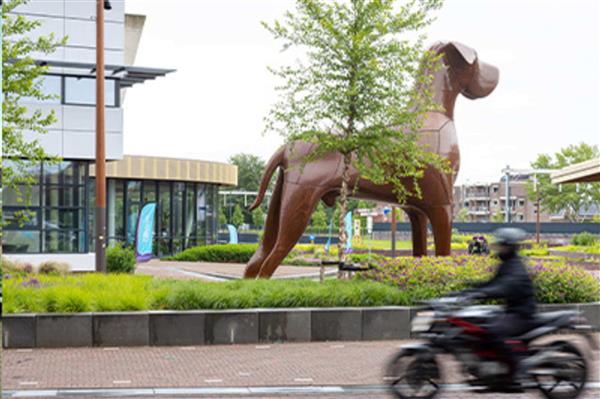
column 226, row 253
column 555, row 282
column 120, row 260
column 10, row 267
column 53, row 267
column 584, row 239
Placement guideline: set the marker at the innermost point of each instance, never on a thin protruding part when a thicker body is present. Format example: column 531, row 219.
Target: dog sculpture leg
column 441, row 224
column 418, row 224
column 297, row 205
column 271, row 230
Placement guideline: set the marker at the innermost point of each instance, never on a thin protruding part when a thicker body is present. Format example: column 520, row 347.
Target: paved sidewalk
column 212, row 271
column 306, row 364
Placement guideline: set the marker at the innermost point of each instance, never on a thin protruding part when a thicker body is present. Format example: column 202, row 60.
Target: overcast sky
column 213, row 106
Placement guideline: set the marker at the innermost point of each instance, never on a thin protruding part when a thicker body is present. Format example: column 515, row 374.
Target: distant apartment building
column 486, row 202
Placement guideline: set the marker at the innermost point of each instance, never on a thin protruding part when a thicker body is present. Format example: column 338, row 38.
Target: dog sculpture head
column 474, row 78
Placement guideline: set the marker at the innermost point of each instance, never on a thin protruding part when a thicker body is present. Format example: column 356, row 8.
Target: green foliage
column 361, row 89
column 238, row 216
column 536, row 252
column 76, row 293
column 570, row 198
column 462, row 215
column 497, row 217
column 222, row 217
column 554, row 282
column 402, row 281
column 227, row 253
column 22, row 77
column 120, row 260
column 318, row 219
column 584, row 239
column 592, row 250
column 258, row 217
column 250, row 169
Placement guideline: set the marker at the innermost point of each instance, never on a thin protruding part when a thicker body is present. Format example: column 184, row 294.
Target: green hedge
column 226, row 253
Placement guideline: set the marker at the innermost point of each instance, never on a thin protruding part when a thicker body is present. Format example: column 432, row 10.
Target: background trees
column 568, row 198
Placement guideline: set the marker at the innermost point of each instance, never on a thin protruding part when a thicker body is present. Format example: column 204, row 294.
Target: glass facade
column 184, row 217
column 56, row 214
column 50, row 215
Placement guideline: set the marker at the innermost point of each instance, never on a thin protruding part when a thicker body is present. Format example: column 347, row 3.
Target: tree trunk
column 342, row 236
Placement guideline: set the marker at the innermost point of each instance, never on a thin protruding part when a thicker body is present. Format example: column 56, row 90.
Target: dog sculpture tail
column 275, row 161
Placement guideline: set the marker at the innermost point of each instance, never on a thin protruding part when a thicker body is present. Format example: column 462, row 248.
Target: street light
column 508, row 171
column 100, row 210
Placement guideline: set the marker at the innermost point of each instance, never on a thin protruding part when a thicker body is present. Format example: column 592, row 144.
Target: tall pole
column 537, row 219
column 100, row 148
column 507, row 191
column 393, row 231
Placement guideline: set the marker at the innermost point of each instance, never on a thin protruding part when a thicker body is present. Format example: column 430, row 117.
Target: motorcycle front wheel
column 564, row 374
column 414, row 375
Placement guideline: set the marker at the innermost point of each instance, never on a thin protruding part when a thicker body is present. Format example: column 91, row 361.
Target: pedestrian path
column 211, row 271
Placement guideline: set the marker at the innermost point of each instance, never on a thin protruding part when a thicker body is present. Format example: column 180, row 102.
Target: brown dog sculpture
column 298, row 190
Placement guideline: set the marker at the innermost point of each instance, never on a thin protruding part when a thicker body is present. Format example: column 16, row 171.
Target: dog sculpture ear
column 466, row 52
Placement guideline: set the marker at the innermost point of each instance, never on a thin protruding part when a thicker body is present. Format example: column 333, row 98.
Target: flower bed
column 402, row 281
column 554, row 281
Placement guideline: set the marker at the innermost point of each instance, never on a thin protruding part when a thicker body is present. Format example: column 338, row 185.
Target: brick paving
column 171, row 269
column 318, row 364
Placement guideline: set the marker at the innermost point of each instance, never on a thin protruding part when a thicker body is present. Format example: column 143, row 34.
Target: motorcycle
column 457, row 327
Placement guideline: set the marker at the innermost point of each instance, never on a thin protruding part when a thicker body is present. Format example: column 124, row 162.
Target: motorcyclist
column 512, row 284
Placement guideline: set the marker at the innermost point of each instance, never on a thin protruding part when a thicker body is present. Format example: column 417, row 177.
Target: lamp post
column 393, row 231
column 101, row 5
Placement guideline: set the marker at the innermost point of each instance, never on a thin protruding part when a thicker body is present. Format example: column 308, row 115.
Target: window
column 495, row 189
column 521, row 202
column 50, row 86
column 115, row 208
column 82, row 91
column 53, row 218
column 134, row 191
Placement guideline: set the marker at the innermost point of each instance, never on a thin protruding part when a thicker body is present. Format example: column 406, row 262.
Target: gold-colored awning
column 588, row 171
column 158, row 168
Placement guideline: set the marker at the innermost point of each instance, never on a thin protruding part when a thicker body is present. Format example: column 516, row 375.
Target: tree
column 462, row 215
column 22, row 78
column 238, row 217
column 318, row 220
column 222, row 217
column 359, row 89
column 258, row 217
column 497, row 217
column 568, row 198
column 250, row 169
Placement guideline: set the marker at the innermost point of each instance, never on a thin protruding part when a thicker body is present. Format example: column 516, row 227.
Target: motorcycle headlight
column 422, row 322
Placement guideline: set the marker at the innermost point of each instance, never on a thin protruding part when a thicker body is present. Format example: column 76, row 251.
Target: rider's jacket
column 513, row 284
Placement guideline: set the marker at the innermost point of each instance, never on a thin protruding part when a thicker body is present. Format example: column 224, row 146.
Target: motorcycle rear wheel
column 414, row 375
column 565, row 376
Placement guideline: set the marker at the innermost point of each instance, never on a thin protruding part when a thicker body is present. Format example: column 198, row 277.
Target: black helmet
column 509, row 236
